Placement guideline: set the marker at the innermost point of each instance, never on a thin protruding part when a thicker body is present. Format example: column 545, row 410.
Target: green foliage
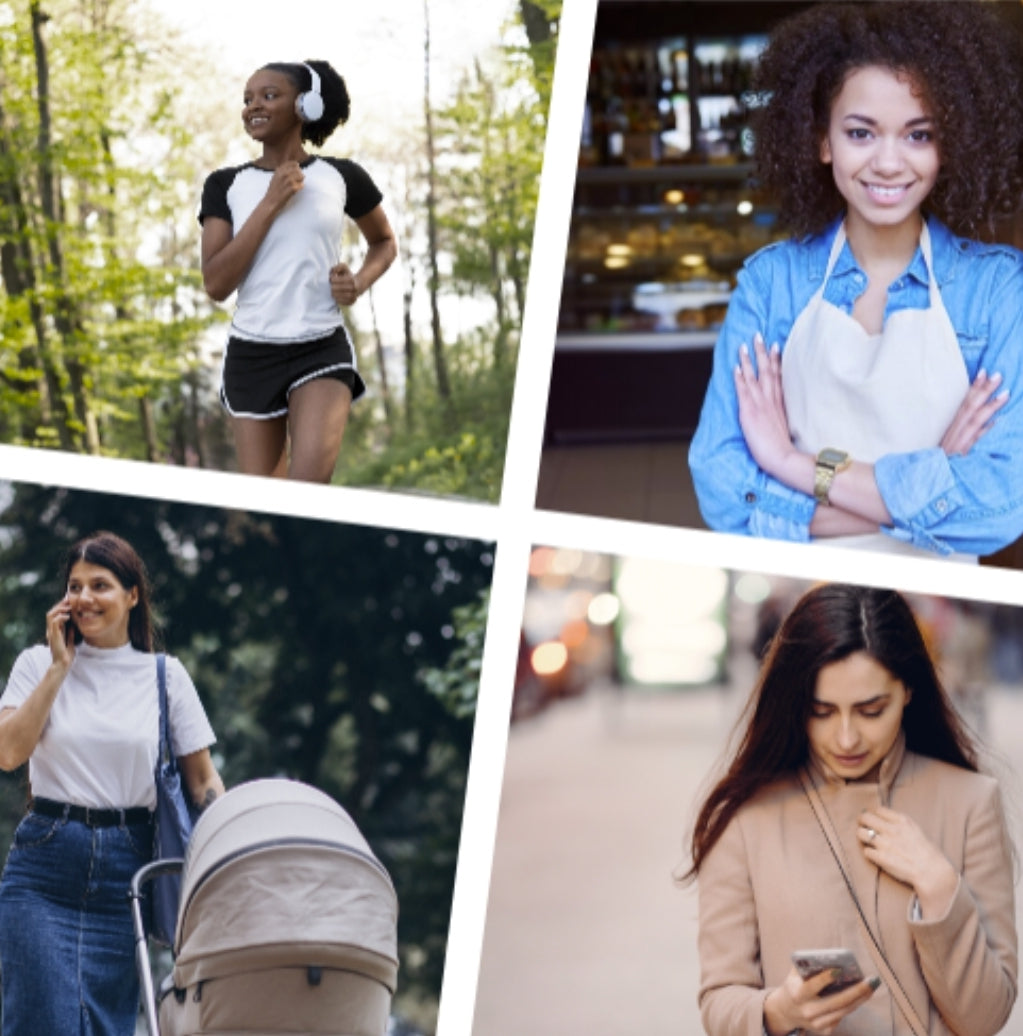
column 337, row 655
column 455, row 449
column 460, row 470
column 541, row 20
column 457, row 683
column 102, row 307
column 489, row 142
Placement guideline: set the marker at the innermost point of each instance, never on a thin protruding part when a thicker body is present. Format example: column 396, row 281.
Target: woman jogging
column 271, row 230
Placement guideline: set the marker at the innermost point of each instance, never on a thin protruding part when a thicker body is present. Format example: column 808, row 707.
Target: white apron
column 870, row 395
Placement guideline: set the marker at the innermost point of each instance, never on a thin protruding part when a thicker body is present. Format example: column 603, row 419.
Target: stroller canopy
column 278, row 875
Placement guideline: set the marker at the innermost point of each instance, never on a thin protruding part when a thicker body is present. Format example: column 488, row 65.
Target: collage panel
column 722, row 200
column 116, row 378
column 165, row 193
column 642, row 684
column 485, row 679
column 326, row 674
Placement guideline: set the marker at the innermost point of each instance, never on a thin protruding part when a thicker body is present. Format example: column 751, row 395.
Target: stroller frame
column 156, row 869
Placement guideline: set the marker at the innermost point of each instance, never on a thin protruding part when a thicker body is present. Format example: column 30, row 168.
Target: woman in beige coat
column 849, row 730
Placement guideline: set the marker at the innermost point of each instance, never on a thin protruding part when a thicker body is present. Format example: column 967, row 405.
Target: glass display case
column 666, row 210
column 651, row 263
column 657, row 249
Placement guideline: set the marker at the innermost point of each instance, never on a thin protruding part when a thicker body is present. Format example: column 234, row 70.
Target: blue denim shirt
column 971, row 504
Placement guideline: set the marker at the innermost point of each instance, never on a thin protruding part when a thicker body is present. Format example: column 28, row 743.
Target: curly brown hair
column 968, row 67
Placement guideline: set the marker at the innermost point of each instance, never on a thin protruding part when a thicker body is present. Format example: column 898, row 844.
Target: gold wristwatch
column 829, row 463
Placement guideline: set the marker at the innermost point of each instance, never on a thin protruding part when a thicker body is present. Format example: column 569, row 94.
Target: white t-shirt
column 100, row 742
column 285, row 294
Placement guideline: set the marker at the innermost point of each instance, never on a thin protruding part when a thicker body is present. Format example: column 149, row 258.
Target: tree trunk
column 490, row 196
column 65, row 317
column 497, row 293
column 515, row 268
column 19, row 277
column 406, row 307
column 378, row 343
column 439, row 359
column 193, row 403
column 148, row 428
column 410, row 357
column 536, row 23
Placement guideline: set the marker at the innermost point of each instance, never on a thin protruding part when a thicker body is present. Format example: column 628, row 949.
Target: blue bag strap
column 166, row 755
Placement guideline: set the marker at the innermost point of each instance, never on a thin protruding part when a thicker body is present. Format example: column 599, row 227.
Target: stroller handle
column 144, row 874
column 151, row 871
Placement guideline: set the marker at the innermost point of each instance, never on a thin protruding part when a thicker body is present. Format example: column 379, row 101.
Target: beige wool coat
column 770, row 886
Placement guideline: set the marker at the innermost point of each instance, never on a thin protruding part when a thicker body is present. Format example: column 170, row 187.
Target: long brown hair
column 110, row 551
column 828, row 624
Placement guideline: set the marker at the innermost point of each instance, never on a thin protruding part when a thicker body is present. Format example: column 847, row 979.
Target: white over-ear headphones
column 309, row 105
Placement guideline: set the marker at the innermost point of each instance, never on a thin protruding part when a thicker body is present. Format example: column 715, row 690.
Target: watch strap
column 823, row 476
column 824, row 473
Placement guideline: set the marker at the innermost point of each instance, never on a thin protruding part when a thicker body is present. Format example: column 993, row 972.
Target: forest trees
column 470, row 197
column 100, row 311
column 103, row 321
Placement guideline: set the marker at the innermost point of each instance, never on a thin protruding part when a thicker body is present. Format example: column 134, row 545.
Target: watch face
column 832, row 457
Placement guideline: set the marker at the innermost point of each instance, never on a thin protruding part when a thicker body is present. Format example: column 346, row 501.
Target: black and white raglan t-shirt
column 285, row 295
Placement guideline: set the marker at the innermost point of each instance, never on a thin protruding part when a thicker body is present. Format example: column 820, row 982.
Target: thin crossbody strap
column 887, row 973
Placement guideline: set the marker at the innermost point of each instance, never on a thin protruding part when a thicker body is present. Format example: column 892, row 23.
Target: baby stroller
column 287, row 922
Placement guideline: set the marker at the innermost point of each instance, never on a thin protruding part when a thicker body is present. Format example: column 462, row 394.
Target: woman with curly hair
column 271, row 230
column 853, row 816
column 890, row 132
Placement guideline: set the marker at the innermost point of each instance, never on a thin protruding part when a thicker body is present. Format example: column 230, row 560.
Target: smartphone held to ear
column 812, row 962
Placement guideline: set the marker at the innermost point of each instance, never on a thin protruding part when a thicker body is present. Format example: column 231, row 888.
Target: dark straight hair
column 828, row 624
column 110, row 551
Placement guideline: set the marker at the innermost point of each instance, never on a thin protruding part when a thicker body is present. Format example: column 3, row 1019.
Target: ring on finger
column 871, row 834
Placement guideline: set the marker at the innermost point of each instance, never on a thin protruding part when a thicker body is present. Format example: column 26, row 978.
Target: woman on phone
column 83, row 711
column 868, row 379
column 854, row 787
column 271, row 230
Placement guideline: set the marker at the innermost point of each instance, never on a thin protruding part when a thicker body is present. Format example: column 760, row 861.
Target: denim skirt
column 67, row 958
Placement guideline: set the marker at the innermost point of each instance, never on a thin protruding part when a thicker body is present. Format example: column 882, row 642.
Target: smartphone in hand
column 71, row 636
column 812, row 962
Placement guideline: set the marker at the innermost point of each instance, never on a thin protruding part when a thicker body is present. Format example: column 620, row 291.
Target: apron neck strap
column 925, row 248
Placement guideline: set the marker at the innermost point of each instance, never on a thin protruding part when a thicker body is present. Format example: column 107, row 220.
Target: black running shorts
column 258, row 377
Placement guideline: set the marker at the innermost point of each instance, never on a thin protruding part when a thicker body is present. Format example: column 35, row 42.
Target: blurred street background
column 630, row 681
